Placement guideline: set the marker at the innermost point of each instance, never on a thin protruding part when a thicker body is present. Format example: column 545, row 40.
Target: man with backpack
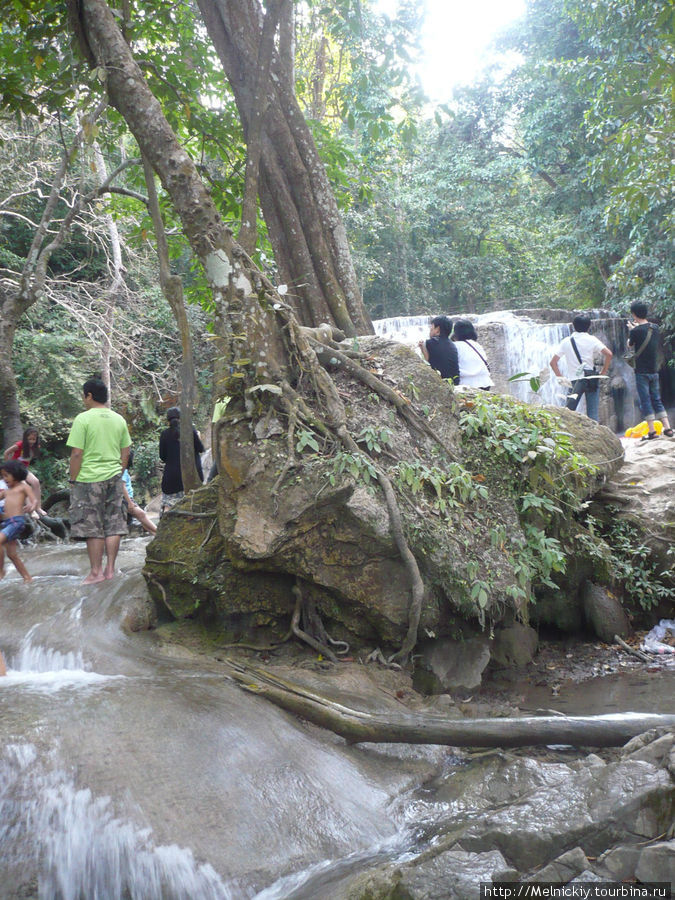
column 579, row 351
column 643, row 338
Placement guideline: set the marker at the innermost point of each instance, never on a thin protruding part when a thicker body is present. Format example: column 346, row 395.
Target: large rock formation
column 530, row 821
column 642, row 493
column 235, row 549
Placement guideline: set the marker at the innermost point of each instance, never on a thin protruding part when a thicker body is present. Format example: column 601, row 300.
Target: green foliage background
column 550, row 187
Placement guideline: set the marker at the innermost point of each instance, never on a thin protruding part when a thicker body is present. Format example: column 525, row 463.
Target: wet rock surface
column 560, row 814
column 451, row 665
column 657, row 863
column 604, row 613
column 642, row 492
column 607, row 817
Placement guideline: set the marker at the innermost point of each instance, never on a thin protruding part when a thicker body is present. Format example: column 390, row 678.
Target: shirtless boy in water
column 18, row 496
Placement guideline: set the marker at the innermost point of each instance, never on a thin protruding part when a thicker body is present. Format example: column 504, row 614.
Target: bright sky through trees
column 455, row 39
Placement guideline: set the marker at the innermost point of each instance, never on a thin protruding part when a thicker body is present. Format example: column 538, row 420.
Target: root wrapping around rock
column 406, row 554
column 211, row 514
column 303, row 348
column 378, row 656
column 330, row 421
column 302, row 635
column 403, row 406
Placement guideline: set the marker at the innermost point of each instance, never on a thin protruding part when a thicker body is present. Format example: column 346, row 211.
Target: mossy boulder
column 316, row 516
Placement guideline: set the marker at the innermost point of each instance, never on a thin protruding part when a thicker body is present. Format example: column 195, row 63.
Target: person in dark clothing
column 169, row 453
column 439, row 351
column 643, row 337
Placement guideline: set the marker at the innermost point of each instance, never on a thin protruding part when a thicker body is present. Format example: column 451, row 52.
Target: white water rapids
column 127, row 774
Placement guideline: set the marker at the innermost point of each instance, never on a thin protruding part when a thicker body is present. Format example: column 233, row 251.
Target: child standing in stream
column 26, row 451
column 18, row 496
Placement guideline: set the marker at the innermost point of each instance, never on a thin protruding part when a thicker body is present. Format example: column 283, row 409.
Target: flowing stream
column 127, row 774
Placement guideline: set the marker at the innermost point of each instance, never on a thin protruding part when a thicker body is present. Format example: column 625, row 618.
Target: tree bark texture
column 248, row 233
column 305, row 227
column 172, row 288
column 357, row 726
column 10, row 414
column 115, row 289
column 227, row 268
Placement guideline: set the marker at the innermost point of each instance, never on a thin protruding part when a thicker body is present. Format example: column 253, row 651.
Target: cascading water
column 127, row 774
column 517, row 344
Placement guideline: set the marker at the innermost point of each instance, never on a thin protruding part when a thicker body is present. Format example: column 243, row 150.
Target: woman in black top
column 439, row 351
column 169, row 453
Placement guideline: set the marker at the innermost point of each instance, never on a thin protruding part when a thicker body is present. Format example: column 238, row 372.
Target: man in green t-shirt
column 99, row 442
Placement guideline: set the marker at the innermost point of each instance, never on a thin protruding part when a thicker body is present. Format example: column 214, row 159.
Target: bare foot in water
column 3, row 668
column 107, row 574
column 94, row 579
column 27, row 579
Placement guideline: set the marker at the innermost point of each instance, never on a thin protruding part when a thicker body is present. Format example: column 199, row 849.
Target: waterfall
column 523, row 341
column 45, row 659
column 81, row 845
column 404, row 329
column 528, row 348
column 127, row 772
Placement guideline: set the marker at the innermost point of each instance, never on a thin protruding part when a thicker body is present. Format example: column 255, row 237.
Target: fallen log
column 358, row 726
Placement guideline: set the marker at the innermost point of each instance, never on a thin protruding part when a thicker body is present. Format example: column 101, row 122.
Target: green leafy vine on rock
column 537, row 464
column 629, row 560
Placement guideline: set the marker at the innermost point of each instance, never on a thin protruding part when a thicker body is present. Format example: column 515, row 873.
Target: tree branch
column 357, row 726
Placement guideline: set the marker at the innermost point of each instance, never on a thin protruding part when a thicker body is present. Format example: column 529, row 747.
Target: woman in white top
column 473, row 366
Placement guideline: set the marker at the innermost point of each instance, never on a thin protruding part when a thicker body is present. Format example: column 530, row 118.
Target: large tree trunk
column 254, row 320
column 357, row 726
column 248, row 232
column 172, row 287
column 228, row 269
column 10, row 415
column 115, row 288
column 305, row 227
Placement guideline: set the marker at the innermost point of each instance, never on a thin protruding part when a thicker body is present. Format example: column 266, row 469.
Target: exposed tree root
column 161, row 587
column 209, row 533
column 409, row 561
column 402, row 405
column 290, row 459
column 378, row 656
column 336, row 427
column 336, row 644
column 299, row 633
column 191, row 515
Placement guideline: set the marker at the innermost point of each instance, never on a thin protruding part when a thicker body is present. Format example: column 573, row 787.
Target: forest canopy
column 548, row 187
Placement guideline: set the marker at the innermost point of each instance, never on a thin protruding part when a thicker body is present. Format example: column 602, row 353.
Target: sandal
column 650, row 437
column 669, row 432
